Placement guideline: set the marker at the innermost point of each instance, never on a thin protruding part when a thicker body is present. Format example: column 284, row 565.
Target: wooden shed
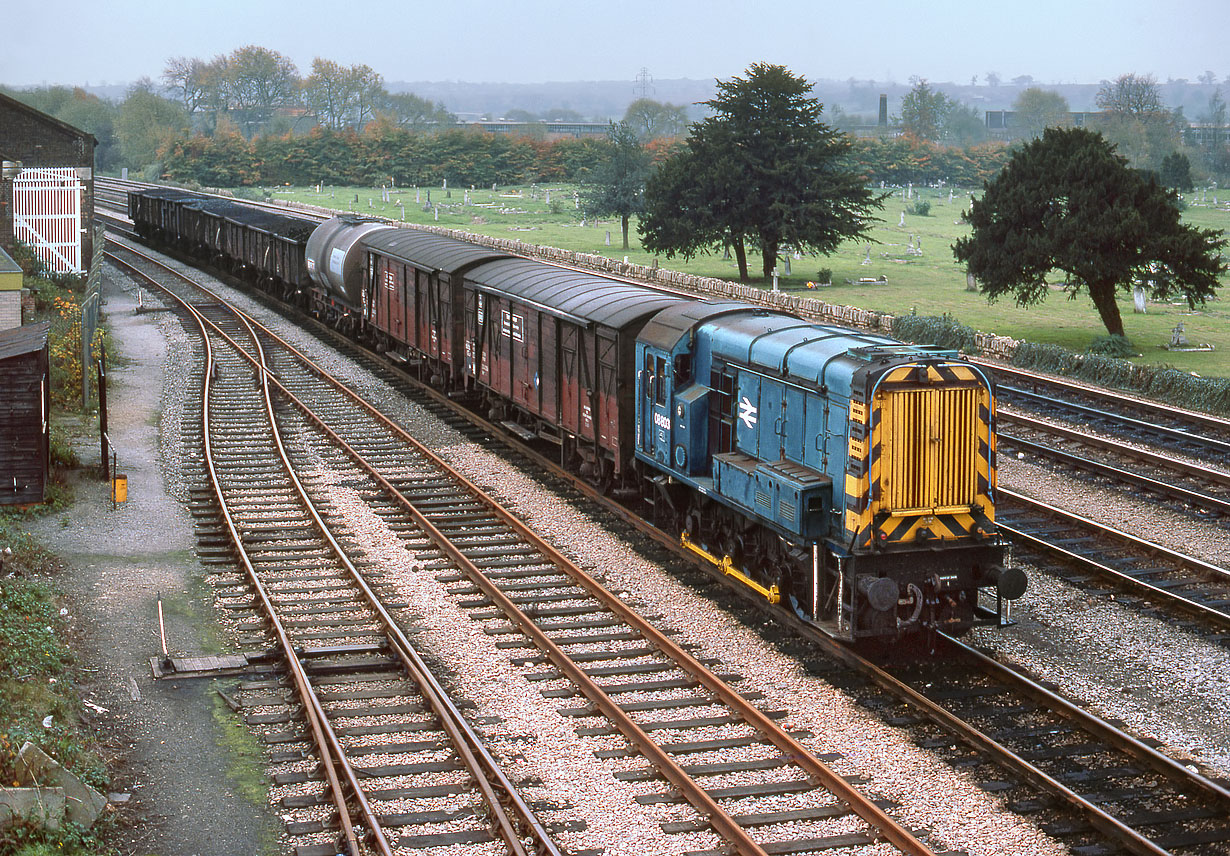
column 25, row 408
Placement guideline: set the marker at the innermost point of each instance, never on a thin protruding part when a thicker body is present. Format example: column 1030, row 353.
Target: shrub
column 922, row 208
column 1113, row 346
column 944, row 331
column 1163, row 383
column 824, row 275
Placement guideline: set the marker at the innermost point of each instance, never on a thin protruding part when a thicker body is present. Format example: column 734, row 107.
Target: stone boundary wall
column 989, row 345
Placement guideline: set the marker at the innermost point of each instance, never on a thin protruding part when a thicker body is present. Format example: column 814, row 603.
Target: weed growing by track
column 39, row 702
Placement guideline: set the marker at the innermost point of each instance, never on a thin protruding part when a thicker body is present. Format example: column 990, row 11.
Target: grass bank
column 39, row 702
column 911, row 251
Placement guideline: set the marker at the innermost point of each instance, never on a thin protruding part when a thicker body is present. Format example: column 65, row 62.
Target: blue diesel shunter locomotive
column 848, row 474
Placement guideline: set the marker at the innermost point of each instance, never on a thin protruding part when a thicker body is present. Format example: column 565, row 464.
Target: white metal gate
column 47, row 215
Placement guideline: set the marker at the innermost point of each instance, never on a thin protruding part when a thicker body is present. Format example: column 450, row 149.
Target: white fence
column 47, row 215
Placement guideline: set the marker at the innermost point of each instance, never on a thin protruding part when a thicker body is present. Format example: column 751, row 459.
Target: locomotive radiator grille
column 929, row 450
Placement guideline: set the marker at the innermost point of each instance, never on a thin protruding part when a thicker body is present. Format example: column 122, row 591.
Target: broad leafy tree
column 924, row 111
column 1067, row 202
column 147, row 124
column 408, row 110
column 187, row 78
column 1132, row 95
column 618, row 185
column 762, row 169
column 963, row 125
column 259, row 81
column 653, row 119
column 1136, row 120
column 328, row 92
column 1037, row 109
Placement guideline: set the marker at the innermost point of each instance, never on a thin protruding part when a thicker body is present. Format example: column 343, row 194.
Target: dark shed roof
column 587, row 296
column 17, row 341
column 427, row 250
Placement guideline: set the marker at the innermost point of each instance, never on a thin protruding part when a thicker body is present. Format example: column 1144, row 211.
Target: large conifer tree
column 1066, row 202
column 763, row 168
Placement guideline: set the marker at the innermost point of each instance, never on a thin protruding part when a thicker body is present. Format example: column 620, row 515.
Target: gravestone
column 867, row 259
column 1140, row 305
column 1177, row 339
column 608, row 237
column 901, row 222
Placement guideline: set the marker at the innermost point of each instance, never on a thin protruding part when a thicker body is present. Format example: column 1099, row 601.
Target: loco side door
column 654, row 415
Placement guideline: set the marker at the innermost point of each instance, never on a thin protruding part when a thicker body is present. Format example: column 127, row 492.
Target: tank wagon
column 847, row 476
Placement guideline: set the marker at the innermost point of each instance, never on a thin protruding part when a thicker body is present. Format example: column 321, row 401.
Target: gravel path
column 169, row 737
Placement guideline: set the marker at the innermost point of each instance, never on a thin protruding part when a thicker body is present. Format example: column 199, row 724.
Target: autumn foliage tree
column 1067, row 202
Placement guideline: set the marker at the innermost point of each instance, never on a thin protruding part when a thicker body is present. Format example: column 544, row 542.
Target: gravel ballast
column 1060, row 632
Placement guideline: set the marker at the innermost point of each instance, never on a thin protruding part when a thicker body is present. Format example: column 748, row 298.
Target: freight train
column 846, row 476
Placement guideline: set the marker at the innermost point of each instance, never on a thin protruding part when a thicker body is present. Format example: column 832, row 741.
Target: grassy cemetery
column 909, row 269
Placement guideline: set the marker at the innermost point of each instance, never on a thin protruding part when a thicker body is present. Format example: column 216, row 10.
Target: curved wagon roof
column 562, row 291
column 427, row 250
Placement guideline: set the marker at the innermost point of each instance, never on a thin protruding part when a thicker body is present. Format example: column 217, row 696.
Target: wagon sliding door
column 548, row 369
column 570, row 374
column 606, row 399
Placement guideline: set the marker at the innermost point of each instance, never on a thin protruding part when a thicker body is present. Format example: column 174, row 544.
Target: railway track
column 339, row 642
column 1196, row 487
column 1113, row 787
column 670, row 708
column 1197, row 435
column 1087, row 552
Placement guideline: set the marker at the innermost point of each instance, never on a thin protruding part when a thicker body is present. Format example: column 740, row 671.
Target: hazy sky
column 528, row 41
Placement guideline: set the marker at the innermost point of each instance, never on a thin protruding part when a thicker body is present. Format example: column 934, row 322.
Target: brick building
column 47, row 182
column 10, row 292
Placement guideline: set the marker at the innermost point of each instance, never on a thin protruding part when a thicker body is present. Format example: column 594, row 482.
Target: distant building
column 1202, row 135
column 1001, row 124
column 543, row 130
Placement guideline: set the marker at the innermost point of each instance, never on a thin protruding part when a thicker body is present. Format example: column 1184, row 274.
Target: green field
column 927, row 284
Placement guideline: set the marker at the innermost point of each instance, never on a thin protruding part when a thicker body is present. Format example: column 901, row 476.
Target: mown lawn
column 929, row 283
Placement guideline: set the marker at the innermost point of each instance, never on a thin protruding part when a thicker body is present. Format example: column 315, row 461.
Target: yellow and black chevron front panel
column 929, row 469
column 858, row 472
